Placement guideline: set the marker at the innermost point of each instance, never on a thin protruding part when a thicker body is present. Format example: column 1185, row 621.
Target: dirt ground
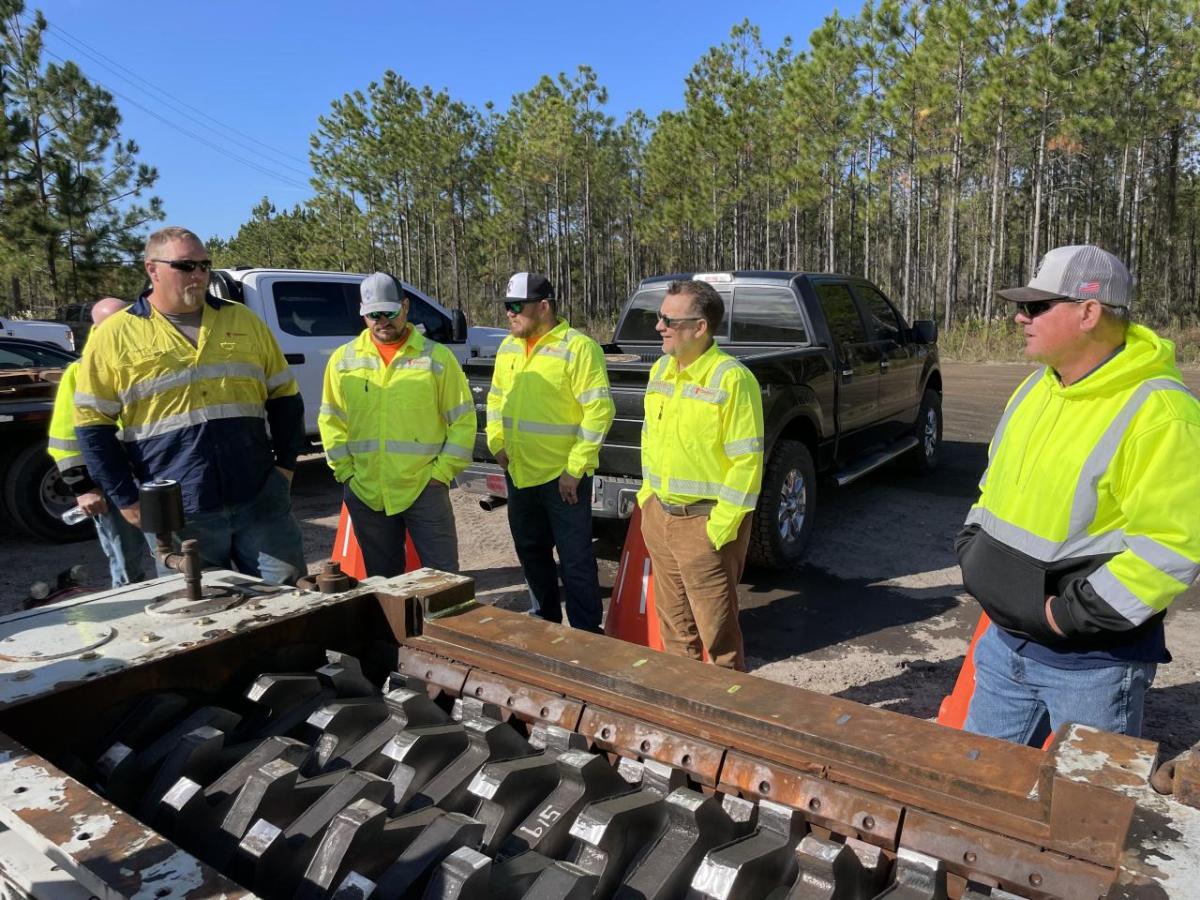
column 877, row 614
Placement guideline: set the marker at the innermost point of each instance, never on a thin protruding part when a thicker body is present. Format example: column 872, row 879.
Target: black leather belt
column 699, row 508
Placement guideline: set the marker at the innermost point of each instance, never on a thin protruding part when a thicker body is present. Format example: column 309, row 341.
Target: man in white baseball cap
column 1085, row 529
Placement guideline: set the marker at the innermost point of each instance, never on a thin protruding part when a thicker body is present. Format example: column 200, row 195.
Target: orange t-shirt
column 389, row 351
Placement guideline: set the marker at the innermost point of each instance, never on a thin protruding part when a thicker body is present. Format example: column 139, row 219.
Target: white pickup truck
column 313, row 313
column 45, row 332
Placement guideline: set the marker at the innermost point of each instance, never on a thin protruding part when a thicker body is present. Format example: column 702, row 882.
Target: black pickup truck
column 847, row 386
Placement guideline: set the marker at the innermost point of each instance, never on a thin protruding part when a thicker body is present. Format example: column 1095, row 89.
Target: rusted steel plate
column 108, row 851
column 441, row 674
column 843, row 810
column 1019, row 867
column 632, row 737
column 969, row 778
column 528, row 703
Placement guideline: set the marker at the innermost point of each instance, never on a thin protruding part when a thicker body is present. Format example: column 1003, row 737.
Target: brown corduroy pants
column 695, row 586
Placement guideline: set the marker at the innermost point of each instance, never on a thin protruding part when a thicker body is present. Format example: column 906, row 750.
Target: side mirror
column 924, row 331
column 458, row 327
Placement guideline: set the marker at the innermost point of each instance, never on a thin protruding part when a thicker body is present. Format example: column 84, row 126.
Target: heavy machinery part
column 444, row 749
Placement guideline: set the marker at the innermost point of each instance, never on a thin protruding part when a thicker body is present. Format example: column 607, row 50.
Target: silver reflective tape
column 69, row 463
column 704, row 394
column 191, row 375
column 493, row 416
column 90, row 401
column 594, row 394
column 462, row 409
column 719, row 372
column 546, row 427
column 494, row 391
column 328, row 409
column 412, row 448
column 279, row 379
column 352, row 363
column 1113, row 592
column 61, row 444
column 708, row 489
column 1040, row 548
column 737, row 498
column 192, row 418
column 661, row 387
column 341, row 451
column 1087, row 500
column 1164, row 559
column 745, row 445
column 509, row 348
column 457, row 452
column 589, row 435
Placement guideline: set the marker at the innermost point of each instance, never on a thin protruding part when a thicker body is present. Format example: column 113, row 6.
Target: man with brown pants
column 702, row 464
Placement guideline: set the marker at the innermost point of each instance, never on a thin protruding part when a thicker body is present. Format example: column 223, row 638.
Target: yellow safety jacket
column 62, row 445
column 1090, row 496
column 702, row 438
column 549, row 409
column 197, row 415
column 388, row 429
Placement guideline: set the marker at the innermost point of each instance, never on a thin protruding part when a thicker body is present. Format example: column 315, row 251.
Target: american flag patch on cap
column 1088, row 287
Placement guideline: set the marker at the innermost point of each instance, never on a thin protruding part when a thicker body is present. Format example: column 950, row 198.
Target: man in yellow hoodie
column 1086, row 528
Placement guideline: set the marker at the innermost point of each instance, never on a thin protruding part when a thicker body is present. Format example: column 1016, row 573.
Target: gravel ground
column 877, row 614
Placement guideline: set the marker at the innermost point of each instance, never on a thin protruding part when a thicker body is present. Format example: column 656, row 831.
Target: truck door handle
column 846, row 373
column 883, row 364
column 294, row 359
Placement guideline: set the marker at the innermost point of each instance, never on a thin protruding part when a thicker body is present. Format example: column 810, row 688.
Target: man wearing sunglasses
column 702, row 465
column 1086, row 527
column 548, row 410
column 187, row 387
column 398, row 423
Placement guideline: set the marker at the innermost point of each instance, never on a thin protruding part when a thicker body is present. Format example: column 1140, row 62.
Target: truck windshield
column 642, row 315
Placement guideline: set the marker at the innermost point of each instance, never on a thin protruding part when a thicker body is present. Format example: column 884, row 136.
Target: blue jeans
column 259, row 537
column 1022, row 700
column 540, row 521
column 123, row 547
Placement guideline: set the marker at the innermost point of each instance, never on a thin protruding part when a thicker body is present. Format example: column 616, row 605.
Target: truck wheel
column 36, row 496
column 783, row 520
column 923, row 458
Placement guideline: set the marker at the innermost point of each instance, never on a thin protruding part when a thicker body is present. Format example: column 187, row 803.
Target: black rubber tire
column 36, row 497
column 783, row 521
column 924, row 457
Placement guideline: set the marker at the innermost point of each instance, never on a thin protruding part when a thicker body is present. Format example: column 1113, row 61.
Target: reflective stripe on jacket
column 62, row 444
column 198, row 415
column 702, row 438
column 549, row 409
column 388, row 429
column 1090, row 496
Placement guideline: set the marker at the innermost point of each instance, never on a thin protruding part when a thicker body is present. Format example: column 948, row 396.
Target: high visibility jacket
column 388, row 429
column 62, row 446
column 1090, row 497
column 549, row 409
column 197, row 415
column 702, row 438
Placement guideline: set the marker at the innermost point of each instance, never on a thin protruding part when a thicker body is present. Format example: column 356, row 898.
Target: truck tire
column 923, row 458
column 783, row 521
column 36, row 497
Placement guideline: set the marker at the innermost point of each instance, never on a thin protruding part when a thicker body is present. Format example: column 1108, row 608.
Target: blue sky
column 269, row 69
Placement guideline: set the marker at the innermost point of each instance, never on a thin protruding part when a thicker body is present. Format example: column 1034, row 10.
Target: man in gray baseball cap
column 1085, row 529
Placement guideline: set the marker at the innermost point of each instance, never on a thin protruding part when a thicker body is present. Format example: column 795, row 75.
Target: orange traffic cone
column 631, row 615
column 953, row 711
column 347, row 552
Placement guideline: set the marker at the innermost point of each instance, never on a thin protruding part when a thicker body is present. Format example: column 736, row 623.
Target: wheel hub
column 793, row 505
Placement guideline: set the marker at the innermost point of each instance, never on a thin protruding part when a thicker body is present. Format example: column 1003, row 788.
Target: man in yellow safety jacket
column 548, row 410
column 1086, row 528
column 123, row 545
column 702, row 466
column 188, row 387
column 398, row 423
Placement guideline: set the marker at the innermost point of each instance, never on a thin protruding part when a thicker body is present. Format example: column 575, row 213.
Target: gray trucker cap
column 380, row 292
column 1082, row 272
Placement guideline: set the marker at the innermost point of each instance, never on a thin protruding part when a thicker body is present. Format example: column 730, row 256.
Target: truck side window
column 881, row 316
column 765, row 314
column 435, row 325
column 845, row 325
column 642, row 315
column 317, row 308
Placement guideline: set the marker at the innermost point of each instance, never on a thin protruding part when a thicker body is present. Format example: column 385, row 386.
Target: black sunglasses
column 515, row 306
column 676, row 321
column 186, row 265
column 1031, row 309
column 376, row 316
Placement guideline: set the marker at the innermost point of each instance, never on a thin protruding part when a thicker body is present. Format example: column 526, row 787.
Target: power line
column 141, row 83
column 286, row 179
